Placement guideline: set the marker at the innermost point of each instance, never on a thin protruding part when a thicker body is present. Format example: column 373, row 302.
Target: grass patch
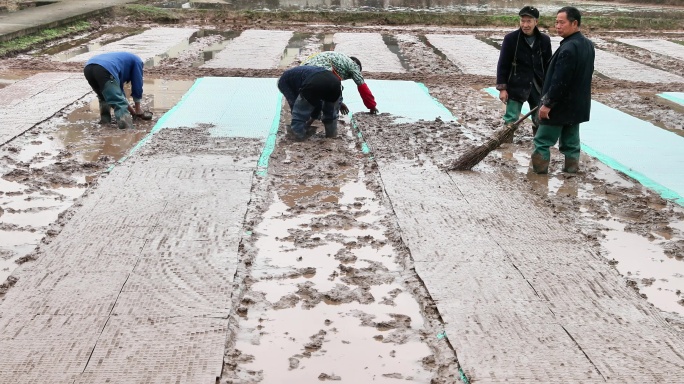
column 25, row 43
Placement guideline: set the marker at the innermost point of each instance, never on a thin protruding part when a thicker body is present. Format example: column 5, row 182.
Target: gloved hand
column 374, row 111
column 344, row 109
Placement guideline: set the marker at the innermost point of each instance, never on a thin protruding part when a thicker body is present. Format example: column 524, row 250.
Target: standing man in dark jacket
column 523, row 62
column 566, row 97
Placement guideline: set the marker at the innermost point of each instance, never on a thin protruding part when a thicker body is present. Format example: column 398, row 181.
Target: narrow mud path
column 330, row 292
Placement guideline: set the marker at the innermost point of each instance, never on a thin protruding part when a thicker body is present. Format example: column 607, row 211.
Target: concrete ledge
column 52, row 24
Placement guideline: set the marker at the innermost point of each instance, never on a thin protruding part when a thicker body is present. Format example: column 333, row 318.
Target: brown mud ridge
column 335, row 256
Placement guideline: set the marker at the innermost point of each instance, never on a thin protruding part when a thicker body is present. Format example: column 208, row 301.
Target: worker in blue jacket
column 107, row 73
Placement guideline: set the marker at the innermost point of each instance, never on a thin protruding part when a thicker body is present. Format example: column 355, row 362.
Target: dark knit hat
column 529, row 11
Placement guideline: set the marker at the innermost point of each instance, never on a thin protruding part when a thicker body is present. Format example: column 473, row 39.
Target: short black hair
column 357, row 61
column 572, row 13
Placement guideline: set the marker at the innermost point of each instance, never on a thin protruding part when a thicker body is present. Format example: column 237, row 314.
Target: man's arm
column 503, row 67
column 137, row 85
column 368, row 98
column 563, row 74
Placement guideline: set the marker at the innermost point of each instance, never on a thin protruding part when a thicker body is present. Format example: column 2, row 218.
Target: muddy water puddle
column 90, row 42
column 10, row 77
column 610, row 204
column 660, row 277
column 50, row 166
column 72, row 48
column 329, row 300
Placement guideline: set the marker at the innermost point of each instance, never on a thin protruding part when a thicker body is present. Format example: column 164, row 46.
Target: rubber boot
column 125, row 121
column 330, row 128
column 105, row 113
column 571, row 165
column 539, row 164
column 310, row 131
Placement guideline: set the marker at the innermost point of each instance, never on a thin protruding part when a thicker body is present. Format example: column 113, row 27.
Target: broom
column 470, row 159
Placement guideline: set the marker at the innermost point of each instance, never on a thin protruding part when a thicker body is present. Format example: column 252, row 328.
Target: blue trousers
column 302, row 110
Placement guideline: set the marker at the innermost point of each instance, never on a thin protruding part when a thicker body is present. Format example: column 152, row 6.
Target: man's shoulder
column 512, row 35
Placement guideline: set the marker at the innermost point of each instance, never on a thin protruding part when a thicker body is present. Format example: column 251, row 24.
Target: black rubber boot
column 571, row 165
column 125, row 121
column 330, row 128
column 105, row 113
column 539, row 164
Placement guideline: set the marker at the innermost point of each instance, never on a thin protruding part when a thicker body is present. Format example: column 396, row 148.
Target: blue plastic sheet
column 676, row 97
column 407, row 100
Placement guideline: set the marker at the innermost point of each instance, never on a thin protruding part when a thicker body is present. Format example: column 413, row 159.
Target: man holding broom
column 523, row 61
column 566, row 96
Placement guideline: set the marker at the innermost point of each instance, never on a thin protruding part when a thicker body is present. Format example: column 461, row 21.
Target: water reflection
column 294, row 46
column 66, row 51
column 27, row 211
column 393, row 46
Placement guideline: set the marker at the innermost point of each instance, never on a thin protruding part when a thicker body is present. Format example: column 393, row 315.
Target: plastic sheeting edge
column 664, row 192
column 262, row 164
column 158, row 125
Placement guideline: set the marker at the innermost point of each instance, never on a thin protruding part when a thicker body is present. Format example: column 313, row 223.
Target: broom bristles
column 475, row 155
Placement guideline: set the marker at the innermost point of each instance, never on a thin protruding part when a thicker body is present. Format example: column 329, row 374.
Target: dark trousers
column 97, row 77
column 107, row 88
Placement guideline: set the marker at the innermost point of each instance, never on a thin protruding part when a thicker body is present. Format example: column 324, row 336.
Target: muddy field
column 323, row 201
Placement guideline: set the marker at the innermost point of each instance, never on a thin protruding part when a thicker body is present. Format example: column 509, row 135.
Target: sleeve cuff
column 501, row 87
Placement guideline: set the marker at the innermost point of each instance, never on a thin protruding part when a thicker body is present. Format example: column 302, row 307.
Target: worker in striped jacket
column 346, row 67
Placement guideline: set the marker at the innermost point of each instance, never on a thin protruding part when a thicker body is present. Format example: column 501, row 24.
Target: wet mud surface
column 324, row 276
column 324, row 254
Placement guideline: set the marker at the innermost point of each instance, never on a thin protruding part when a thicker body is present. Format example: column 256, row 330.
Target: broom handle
column 526, row 115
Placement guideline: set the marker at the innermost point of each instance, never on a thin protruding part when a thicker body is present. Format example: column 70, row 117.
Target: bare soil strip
column 150, row 43
column 370, row 49
column 30, row 101
column 518, row 274
column 257, row 49
column 470, row 55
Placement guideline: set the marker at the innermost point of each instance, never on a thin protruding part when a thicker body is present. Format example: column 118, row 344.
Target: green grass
column 25, row 43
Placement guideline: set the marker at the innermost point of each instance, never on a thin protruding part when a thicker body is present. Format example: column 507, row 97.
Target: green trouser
column 548, row 135
column 115, row 98
column 513, row 109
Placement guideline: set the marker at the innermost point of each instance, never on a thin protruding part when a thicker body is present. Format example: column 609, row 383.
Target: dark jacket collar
column 573, row 36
